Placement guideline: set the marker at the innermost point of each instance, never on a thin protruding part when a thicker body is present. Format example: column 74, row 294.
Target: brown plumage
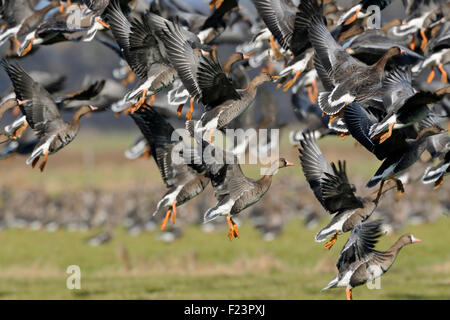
column 42, row 115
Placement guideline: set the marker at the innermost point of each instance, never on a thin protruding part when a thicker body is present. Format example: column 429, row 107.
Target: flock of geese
column 346, row 78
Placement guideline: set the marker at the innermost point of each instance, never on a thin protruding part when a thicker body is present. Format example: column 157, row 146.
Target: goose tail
column 330, row 285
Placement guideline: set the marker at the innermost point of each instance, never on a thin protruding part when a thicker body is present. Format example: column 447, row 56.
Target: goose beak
column 402, row 51
column 289, row 164
column 248, row 56
column 414, row 240
column 93, row 108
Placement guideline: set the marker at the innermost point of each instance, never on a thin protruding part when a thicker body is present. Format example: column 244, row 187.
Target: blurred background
column 92, row 208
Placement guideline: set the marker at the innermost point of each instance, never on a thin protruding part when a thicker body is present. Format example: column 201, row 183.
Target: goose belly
column 62, row 140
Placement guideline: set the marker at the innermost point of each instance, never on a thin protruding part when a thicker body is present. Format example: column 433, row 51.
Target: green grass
column 208, row 266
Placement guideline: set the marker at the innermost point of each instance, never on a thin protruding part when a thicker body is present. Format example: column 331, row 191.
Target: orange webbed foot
column 439, row 182
column 166, row 218
column 233, row 231
column 388, row 134
column 332, row 241
column 348, row 293
column 174, row 212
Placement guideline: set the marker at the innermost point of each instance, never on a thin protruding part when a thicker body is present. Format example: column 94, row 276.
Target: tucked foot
column 19, row 131
column 42, row 166
column 332, row 241
column 444, row 76
column 291, row 82
column 28, row 48
column 388, row 134
column 439, row 182
column 431, row 75
column 352, row 18
column 232, row 229
column 35, row 161
column 174, row 212
column 191, row 109
column 180, row 108
column 423, row 45
column 103, row 23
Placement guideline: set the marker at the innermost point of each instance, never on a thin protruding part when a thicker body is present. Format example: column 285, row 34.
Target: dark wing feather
column 337, row 193
column 160, row 135
column 314, row 165
column 359, row 245
column 278, row 18
column 215, row 86
column 40, row 109
column 183, row 57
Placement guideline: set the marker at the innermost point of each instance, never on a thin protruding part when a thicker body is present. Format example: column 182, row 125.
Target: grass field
column 208, row 266
column 199, row 265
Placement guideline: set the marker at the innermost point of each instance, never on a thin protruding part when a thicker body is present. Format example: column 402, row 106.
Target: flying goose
column 360, row 263
column 333, row 190
column 185, row 180
column 42, row 115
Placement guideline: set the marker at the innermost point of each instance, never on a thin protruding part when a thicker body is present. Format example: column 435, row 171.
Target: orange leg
column 311, row 94
column 150, row 101
column 28, row 48
column 16, row 111
column 348, row 293
column 443, row 73
column 44, row 162
column 232, row 229
column 191, row 109
column 352, row 18
column 129, row 78
column 180, row 108
column 215, row 4
column 439, row 182
column 146, row 154
column 174, row 212
column 103, row 23
column 431, row 75
column 276, row 52
column 139, row 104
column 16, row 41
column 412, row 45
column 19, row 131
column 35, row 161
column 166, row 218
column 332, row 241
column 423, row 45
column 291, row 82
column 337, row 115
column 388, row 134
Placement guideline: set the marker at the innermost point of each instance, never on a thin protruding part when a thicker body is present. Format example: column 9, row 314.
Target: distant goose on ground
column 360, row 263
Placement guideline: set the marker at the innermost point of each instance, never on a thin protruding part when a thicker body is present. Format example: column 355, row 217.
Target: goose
column 437, row 54
column 205, row 80
column 360, row 11
column 345, row 79
column 439, row 148
column 332, row 188
column 280, row 17
column 42, row 115
column 360, row 263
column 21, row 18
column 233, row 190
column 185, row 180
column 404, row 105
column 179, row 95
column 143, row 52
column 396, row 164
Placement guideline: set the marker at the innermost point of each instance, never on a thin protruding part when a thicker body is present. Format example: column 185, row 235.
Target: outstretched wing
column 329, row 184
column 359, row 245
column 215, row 86
column 39, row 108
